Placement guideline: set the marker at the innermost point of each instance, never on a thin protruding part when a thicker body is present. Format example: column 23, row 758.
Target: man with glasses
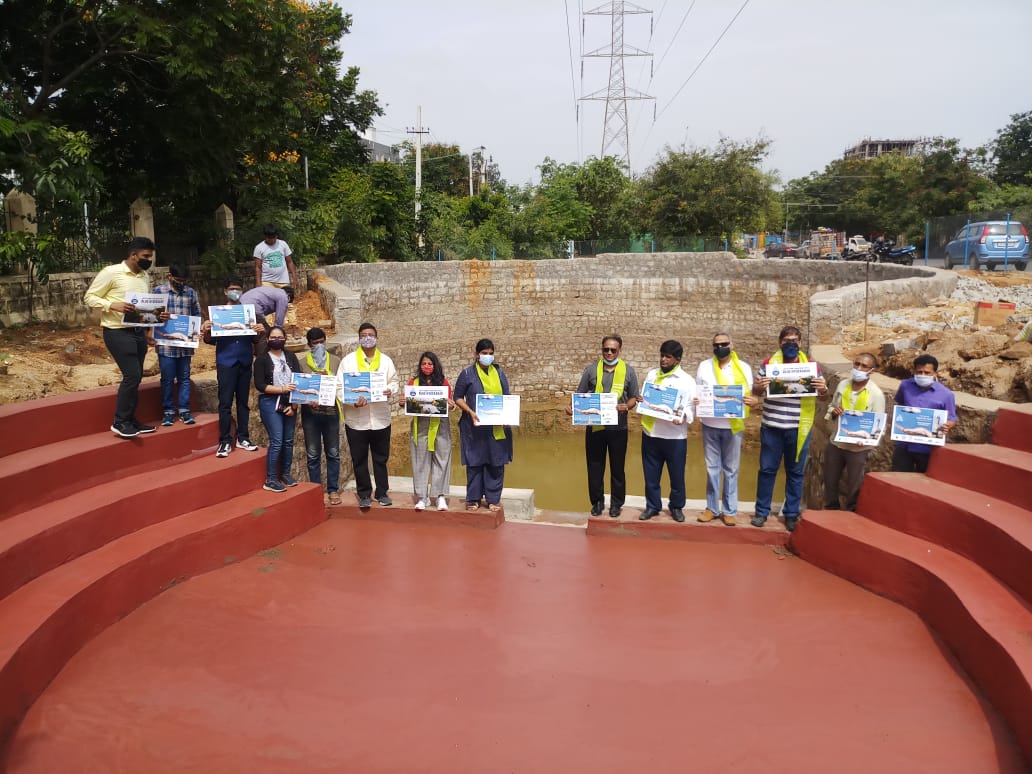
column 610, row 374
column 784, row 433
column 722, row 437
column 858, row 393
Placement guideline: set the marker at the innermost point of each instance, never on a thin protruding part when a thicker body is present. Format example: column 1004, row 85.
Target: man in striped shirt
column 784, row 432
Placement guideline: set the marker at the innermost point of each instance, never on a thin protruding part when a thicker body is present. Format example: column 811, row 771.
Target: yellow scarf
column 737, row 425
column 619, row 378
column 492, row 385
column 858, row 400
column 325, row 371
column 360, row 360
column 807, row 407
column 431, row 433
column 650, row 422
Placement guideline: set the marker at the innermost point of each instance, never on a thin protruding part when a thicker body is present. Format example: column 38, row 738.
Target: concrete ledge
column 517, row 504
column 455, row 516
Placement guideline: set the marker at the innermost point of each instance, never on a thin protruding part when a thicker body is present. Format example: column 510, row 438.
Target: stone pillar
column 20, row 211
column 141, row 219
column 224, row 226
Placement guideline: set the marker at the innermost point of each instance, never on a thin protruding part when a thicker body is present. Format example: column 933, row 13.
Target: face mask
column 612, row 362
column 367, row 342
column 924, row 381
column 668, row 369
column 276, row 343
column 319, row 353
column 144, row 264
column 860, row 376
column 486, row 360
column 790, row 350
column 177, row 285
column 721, row 352
column 426, row 369
column 233, row 295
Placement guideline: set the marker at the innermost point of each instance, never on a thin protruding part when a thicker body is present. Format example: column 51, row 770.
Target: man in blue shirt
column 922, row 391
column 174, row 362
column 269, row 300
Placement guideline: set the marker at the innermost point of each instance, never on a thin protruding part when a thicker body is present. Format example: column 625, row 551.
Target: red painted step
column 985, row 624
column 993, row 470
column 1013, row 427
column 48, row 620
column 663, row 527
column 49, row 420
column 42, row 538
column 42, row 474
column 995, row 534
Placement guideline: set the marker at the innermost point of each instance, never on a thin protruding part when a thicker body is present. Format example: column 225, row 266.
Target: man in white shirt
column 367, row 423
column 722, row 437
column 273, row 261
column 665, row 441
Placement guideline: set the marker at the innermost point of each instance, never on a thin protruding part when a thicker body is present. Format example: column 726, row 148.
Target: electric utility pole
column 419, row 131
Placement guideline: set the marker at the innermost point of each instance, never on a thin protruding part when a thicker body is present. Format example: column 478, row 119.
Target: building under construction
column 868, row 149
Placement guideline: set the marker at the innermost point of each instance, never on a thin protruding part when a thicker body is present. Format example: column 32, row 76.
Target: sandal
column 335, row 499
column 494, row 507
column 472, row 506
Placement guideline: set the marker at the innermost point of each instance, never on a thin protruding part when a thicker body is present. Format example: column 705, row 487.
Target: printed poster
column 180, row 330
column 595, row 408
column 863, row 428
column 367, row 384
column 791, row 379
column 149, row 308
column 314, row 389
column 721, row 401
column 919, row 425
column 663, row 402
column 425, row 401
column 498, row 409
column 232, row 320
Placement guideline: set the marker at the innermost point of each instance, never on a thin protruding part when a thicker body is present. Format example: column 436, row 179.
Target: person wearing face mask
column 858, row 393
column 127, row 345
column 784, row 433
column 174, row 362
column 321, row 424
column 234, row 356
column 922, row 390
column 609, row 374
column 486, row 449
column 430, row 441
column 273, row 378
column 664, row 442
column 722, row 437
column 367, row 425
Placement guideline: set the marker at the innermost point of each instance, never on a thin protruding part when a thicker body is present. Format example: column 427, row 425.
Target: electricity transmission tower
column 616, row 132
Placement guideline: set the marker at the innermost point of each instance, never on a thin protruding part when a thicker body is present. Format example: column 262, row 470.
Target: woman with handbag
column 273, row 378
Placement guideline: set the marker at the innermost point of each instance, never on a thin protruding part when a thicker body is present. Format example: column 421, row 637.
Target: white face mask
column 924, row 380
column 486, row 360
column 860, row 376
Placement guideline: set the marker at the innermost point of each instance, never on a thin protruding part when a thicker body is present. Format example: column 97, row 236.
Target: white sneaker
column 442, row 503
column 246, row 445
column 421, row 505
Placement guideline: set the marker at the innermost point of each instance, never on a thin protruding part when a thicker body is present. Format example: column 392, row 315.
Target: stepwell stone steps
column 44, row 623
column 1013, row 427
column 42, row 538
column 982, row 621
column 995, row 534
column 998, row 471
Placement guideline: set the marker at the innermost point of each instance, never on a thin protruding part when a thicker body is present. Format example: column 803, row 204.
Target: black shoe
column 385, row 501
column 677, row 515
column 596, row 509
column 141, row 429
column 614, row 512
column 758, row 521
column 125, row 429
column 790, row 523
column 647, row 514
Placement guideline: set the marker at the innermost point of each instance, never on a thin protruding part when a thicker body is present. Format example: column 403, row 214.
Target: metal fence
column 940, row 231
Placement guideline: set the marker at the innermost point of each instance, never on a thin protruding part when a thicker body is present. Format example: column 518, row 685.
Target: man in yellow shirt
column 127, row 345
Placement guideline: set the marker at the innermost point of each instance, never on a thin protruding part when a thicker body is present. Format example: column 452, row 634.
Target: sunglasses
column 610, row 349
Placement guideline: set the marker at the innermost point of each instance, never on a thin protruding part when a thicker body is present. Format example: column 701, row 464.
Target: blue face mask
column 233, row 295
column 319, row 353
column 486, row 360
column 612, row 362
column 790, row 350
column 367, row 342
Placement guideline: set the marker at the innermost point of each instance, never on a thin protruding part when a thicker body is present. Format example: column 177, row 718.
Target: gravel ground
column 956, row 312
column 969, row 289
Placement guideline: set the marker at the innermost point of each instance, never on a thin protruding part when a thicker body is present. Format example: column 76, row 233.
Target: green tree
column 1012, row 151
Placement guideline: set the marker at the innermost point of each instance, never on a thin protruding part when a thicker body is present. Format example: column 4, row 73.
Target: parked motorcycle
column 885, row 251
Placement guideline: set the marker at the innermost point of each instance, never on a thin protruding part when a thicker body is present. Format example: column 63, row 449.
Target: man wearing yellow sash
column 784, row 432
column 609, row 374
column 321, row 424
column 721, row 436
column 858, row 393
column 367, row 423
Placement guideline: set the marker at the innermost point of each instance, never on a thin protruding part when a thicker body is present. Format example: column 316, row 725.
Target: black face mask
column 144, row 263
column 177, row 286
column 276, row 343
column 721, row 352
column 668, row 369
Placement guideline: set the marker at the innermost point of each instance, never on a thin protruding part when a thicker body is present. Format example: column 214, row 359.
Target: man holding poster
column 611, row 374
column 858, row 393
column 721, row 435
column 785, row 430
column 922, row 391
column 321, row 424
column 173, row 361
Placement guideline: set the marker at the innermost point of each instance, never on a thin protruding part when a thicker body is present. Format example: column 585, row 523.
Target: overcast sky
column 814, row 76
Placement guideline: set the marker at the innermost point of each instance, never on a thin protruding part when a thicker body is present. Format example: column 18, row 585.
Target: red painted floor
column 369, row 647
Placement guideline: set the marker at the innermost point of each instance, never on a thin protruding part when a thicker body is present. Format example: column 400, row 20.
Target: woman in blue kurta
column 486, row 449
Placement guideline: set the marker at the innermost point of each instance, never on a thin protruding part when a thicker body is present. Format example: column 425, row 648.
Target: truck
column 823, row 243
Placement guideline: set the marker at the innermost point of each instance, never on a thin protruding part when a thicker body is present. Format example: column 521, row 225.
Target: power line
column 573, row 78
column 673, row 39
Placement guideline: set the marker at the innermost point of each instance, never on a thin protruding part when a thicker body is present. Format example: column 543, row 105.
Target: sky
column 812, row 76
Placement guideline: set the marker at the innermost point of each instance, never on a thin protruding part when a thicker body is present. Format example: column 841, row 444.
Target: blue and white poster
column 595, row 408
column 180, row 330
column 661, row 402
column 364, row 384
column 232, row 320
column 919, row 425
column 861, row 428
column 314, row 389
column 149, row 308
column 498, row 409
column 721, row 401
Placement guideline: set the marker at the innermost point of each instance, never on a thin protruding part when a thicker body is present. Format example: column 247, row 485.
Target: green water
column 553, row 466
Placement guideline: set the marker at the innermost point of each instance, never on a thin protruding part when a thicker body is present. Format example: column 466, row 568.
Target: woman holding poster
column 273, row 378
column 486, row 449
column 430, row 441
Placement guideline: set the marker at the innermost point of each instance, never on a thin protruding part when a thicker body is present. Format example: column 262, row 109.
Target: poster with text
column 791, row 379
column 364, row 384
column 919, row 425
column 314, row 389
column 180, row 330
column 498, row 409
column 721, row 401
column 424, row 401
column 661, row 402
column 863, row 428
column 232, row 320
column 149, row 308
column 595, row 408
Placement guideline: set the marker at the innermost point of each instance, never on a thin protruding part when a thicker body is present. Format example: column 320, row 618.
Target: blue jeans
column 322, row 431
column 722, row 451
column 281, row 437
column 777, row 445
column 175, row 372
column 655, row 453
